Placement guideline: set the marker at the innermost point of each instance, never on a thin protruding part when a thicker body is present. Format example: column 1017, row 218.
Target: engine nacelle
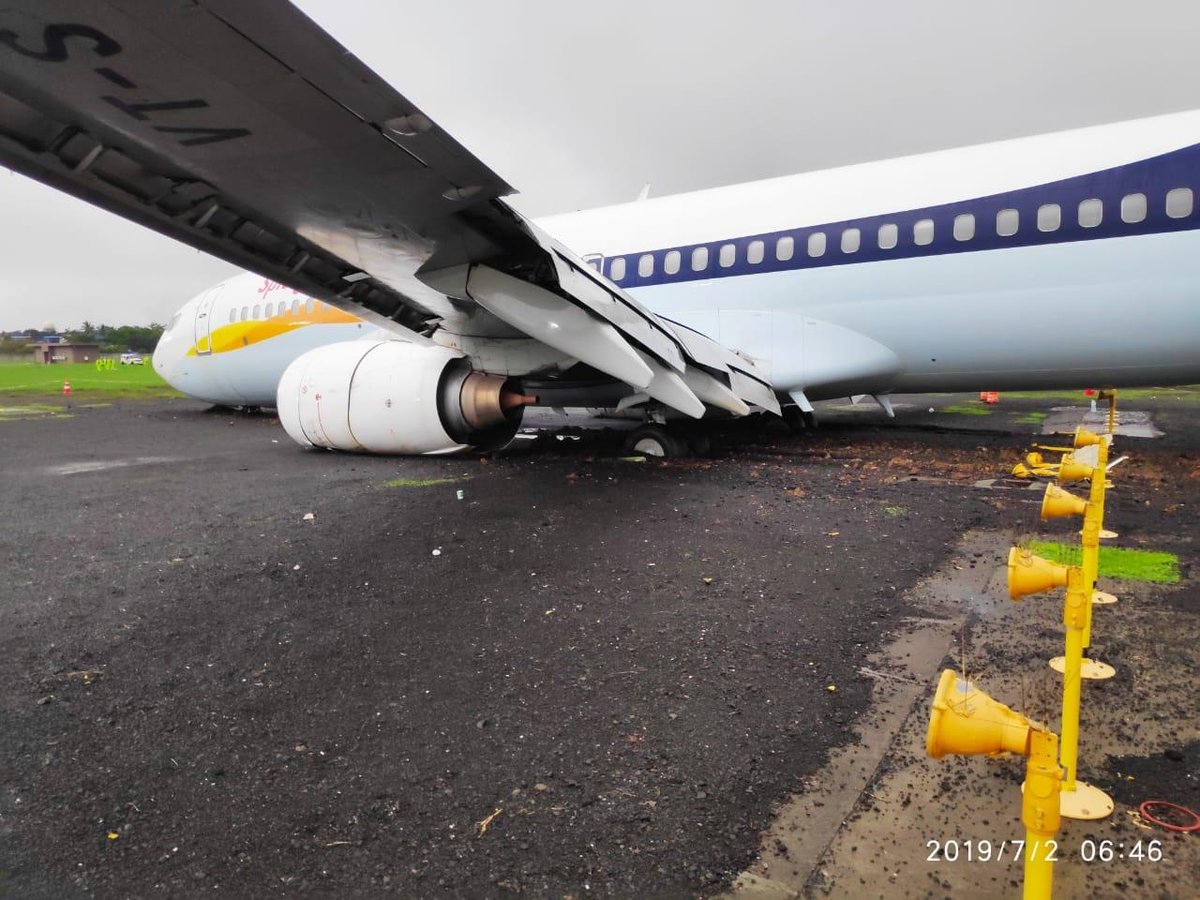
column 395, row 397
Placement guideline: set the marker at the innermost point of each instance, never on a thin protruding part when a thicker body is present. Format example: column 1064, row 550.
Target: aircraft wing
column 245, row 130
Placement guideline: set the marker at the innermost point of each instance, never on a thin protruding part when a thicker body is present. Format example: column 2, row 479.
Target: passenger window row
column 1178, row 204
column 258, row 311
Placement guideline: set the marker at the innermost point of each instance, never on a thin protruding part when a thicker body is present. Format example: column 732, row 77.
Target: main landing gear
column 660, row 442
column 799, row 420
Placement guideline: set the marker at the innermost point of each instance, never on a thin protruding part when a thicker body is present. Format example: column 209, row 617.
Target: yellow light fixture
column 1058, row 504
column 1030, row 574
column 966, row 721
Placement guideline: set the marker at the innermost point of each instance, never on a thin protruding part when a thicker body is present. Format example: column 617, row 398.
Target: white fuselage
column 1070, row 259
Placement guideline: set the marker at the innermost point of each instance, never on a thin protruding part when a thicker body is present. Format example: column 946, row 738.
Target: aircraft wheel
column 653, row 440
column 797, row 420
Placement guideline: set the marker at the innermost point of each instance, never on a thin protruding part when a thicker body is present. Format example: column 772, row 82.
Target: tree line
column 111, row 338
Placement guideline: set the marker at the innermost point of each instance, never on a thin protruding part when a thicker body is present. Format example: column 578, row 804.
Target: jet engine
column 396, row 397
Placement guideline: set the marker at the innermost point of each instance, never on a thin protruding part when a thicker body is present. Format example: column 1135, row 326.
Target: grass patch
column 26, row 379
column 894, row 510
column 1117, row 562
column 1032, row 418
column 967, row 409
column 423, row 482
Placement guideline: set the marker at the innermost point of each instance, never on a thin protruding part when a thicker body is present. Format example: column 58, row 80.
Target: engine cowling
column 395, row 397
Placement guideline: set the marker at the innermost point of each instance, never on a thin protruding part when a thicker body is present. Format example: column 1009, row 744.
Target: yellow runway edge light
column 1030, row 574
column 966, row 721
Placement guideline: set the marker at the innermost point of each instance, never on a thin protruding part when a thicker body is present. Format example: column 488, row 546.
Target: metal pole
column 1040, row 814
column 1075, row 619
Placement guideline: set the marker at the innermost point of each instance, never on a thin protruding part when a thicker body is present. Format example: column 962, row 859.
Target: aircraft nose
column 171, row 351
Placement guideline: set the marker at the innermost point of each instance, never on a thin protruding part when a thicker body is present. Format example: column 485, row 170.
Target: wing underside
column 245, row 130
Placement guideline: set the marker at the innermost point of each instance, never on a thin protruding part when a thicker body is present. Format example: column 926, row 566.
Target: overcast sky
column 578, row 105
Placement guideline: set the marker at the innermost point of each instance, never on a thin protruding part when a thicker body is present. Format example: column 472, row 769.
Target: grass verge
column 422, row 482
column 26, row 380
column 1117, row 562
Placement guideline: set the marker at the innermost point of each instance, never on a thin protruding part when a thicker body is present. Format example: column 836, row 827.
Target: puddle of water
column 1130, row 422
column 9, row 413
column 100, row 465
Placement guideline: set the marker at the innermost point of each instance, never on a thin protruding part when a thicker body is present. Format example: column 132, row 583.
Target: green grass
column 1033, row 418
column 1117, row 562
column 27, row 380
column 423, row 482
column 967, row 409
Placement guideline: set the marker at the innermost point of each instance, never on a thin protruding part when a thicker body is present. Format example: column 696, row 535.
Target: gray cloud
column 579, row 105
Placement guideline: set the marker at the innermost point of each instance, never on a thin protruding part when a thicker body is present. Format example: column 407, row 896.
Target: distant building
column 52, row 352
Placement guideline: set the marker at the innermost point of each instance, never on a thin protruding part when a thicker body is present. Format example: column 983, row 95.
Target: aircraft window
column 646, row 265
column 295, row 307
column 1091, row 212
column 964, row 227
column 923, row 232
column 816, row 244
column 755, row 252
column 308, row 306
column 851, row 238
column 257, row 311
column 245, row 313
column 1049, row 217
column 1007, row 222
column 889, row 235
column 671, row 262
column 785, row 248
column 270, row 308
column 232, row 316
column 699, row 259
column 728, row 255
column 616, row 270
column 1180, row 202
column 1133, row 208
column 595, row 260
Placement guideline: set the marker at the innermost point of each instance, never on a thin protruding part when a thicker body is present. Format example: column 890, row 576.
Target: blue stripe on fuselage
column 1153, row 177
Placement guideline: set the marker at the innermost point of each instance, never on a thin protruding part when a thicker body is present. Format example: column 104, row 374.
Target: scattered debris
column 87, row 676
column 482, row 826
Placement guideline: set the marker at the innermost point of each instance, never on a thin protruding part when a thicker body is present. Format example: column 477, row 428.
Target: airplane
column 1063, row 260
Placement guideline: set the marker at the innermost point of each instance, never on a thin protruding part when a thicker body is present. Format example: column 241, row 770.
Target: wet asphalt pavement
column 231, row 667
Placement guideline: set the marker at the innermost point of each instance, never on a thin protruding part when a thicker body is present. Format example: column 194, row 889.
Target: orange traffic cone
column 66, row 388
column 991, row 397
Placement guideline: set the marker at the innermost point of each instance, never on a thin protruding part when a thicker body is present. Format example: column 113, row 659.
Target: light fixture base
column 1103, row 598
column 1090, row 669
column 1084, row 803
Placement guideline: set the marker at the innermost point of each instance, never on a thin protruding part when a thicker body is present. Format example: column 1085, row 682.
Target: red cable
column 1149, row 804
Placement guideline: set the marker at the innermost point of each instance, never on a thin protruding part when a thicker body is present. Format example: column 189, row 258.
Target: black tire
column 654, row 441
